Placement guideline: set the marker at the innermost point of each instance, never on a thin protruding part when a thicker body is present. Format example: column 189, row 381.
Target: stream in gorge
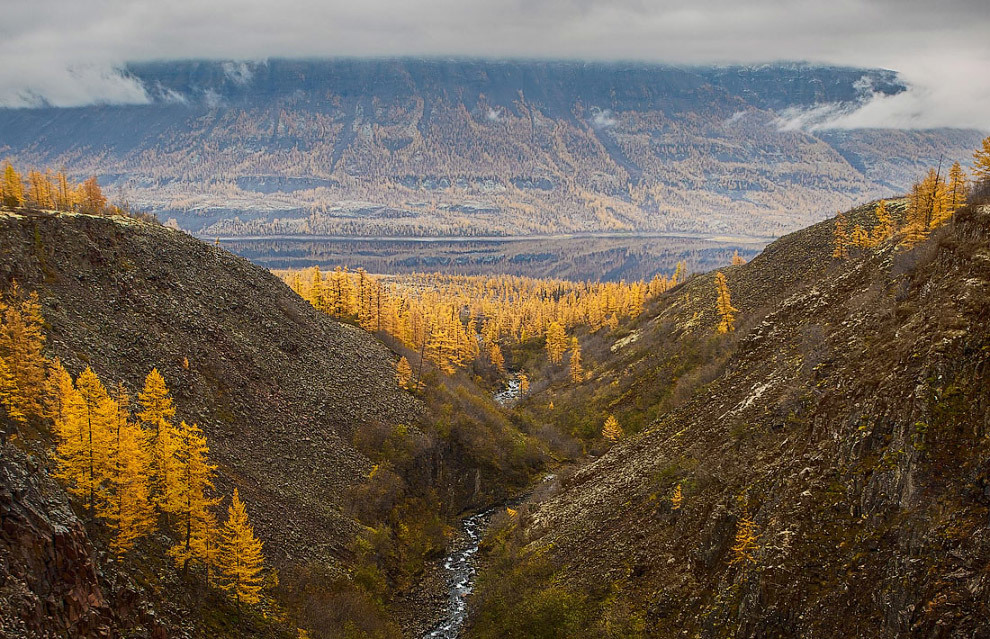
column 460, row 566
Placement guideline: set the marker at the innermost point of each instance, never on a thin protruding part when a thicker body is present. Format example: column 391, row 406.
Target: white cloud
column 65, row 52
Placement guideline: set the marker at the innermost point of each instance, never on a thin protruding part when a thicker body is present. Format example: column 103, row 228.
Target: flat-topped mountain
column 469, row 147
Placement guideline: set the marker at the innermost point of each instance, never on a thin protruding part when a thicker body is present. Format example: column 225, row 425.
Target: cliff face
column 431, row 147
column 48, row 579
column 277, row 387
column 849, row 422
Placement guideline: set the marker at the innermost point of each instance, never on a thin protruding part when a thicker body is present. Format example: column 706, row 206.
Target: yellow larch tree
column 676, row 498
column 496, row 357
column 723, row 303
column 612, row 431
column 239, row 555
column 956, row 191
column 884, row 227
column 737, row 260
column 7, row 391
column 91, row 198
column 157, row 409
column 403, row 372
column 12, row 188
column 746, row 544
column 523, row 383
column 21, row 343
column 85, row 438
column 576, row 371
column 131, row 513
column 841, row 238
column 981, row 162
column 196, row 480
column 556, row 342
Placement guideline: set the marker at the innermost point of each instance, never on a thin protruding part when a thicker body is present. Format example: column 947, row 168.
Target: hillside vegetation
column 350, row 481
column 819, row 471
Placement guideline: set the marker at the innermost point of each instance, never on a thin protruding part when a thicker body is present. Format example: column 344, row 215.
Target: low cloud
column 67, row 53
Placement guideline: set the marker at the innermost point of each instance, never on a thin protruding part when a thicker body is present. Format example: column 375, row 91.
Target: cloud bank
column 66, row 53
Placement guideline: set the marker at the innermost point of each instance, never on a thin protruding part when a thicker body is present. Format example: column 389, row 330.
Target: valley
column 676, row 429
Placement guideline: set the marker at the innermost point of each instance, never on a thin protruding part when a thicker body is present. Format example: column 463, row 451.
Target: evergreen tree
column 239, row 555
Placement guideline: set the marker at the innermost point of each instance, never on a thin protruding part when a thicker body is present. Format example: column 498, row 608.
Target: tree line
column 452, row 321
column 931, row 202
column 132, row 470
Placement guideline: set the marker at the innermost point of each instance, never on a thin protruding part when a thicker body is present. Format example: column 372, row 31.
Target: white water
column 461, row 566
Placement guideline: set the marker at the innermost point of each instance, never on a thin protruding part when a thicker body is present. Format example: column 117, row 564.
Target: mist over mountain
column 468, row 147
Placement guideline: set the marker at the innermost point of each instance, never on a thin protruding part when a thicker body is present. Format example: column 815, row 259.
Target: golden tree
column 239, row 555
column 196, row 479
column 726, row 312
column 556, row 342
column 85, row 435
column 981, row 162
column 576, row 371
column 956, row 192
column 91, row 198
column 676, row 498
column 737, row 260
column 156, row 401
column 157, row 408
column 403, row 372
column 7, row 391
column 21, row 342
column 884, row 227
column 12, row 188
column 523, row 383
column 496, row 358
column 131, row 511
column 612, row 431
column 745, row 547
column 841, row 238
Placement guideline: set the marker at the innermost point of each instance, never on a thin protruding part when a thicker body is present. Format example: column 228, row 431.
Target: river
column 460, row 566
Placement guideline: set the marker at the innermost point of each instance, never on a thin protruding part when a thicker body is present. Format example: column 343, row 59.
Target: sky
column 70, row 52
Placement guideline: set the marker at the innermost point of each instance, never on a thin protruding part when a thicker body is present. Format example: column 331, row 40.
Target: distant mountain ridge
column 472, row 147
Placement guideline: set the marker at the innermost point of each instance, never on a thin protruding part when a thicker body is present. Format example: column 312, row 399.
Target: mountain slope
column 277, row 387
column 440, row 147
column 847, row 419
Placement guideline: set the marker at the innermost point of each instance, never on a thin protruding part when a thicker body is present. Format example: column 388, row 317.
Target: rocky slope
column 277, row 387
column 469, row 147
column 848, row 417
